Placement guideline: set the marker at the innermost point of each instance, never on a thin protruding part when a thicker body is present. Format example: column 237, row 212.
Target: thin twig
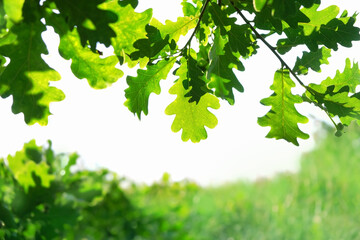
column 272, row 49
column 198, row 24
column 283, row 63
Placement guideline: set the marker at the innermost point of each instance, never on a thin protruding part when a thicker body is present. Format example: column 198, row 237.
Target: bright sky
column 97, row 125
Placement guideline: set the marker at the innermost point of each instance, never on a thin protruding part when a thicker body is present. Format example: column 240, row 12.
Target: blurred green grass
column 320, row 202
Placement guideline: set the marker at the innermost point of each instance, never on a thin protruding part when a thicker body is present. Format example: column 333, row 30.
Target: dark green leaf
column 92, row 22
column 196, row 80
column 129, row 28
column 220, row 74
column 312, row 60
column 27, row 76
column 151, row 46
column 100, row 72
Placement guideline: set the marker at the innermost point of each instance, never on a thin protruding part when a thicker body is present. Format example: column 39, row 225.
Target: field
column 321, row 201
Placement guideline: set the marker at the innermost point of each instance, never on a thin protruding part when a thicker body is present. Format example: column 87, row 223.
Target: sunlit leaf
column 27, row 77
column 195, row 80
column 100, row 72
column 147, row 82
column 13, row 9
column 175, row 29
column 350, row 77
column 283, row 118
column 92, row 22
column 129, row 27
column 220, row 74
column 318, row 18
column 312, row 60
column 191, row 117
column 23, row 168
column 259, row 4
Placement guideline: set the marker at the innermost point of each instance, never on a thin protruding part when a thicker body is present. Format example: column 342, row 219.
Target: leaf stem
column 198, row 24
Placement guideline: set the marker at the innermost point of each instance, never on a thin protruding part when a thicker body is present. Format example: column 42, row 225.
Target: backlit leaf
column 100, row 72
column 13, row 9
column 23, row 168
column 283, row 118
column 195, row 80
column 27, row 76
column 337, row 31
column 350, row 77
column 151, row 46
column 220, row 74
column 91, row 21
column 129, row 27
column 318, row 18
column 259, row 4
column 191, row 117
column 175, row 29
column 312, row 60
column 147, row 82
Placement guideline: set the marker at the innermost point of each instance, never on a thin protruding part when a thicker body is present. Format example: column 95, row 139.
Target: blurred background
column 45, row 195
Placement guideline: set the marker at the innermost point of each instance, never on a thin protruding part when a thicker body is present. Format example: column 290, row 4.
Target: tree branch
column 283, row 63
column 272, row 49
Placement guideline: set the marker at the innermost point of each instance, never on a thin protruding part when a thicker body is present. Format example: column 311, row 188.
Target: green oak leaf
column 334, row 94
column 309, row 3
column 191, row 117
column 241, row 40
column 100, row 72
column 354, row 104
column 259, row 4
column 337, row 31
column 318, row 18
column 283, row 118
column 189, row 9
column 13, row 9
column 129, row 27
column 350, row 77
column 91, row 22
column 220, row 18
column 337, row 103
column 278, row 12
column 175, row 29
column 151, row 46
column 266, row 21
column 312, row 60
column 220, row 74
column 147, row 82
column 195, row 80
column 24, row 167
column 27, row 76
column 3, row 21
column 133, row 3
column 284, row 8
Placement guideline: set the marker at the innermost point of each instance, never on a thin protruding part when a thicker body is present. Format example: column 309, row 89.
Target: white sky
column 97, row 125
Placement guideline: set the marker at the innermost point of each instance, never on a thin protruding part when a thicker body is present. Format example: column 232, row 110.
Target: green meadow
column 44, row 195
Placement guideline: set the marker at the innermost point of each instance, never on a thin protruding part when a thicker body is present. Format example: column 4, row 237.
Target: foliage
column 219, row 39
column 44, row 195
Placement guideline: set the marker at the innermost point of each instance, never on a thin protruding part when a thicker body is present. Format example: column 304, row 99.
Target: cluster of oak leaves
column 219, row 39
